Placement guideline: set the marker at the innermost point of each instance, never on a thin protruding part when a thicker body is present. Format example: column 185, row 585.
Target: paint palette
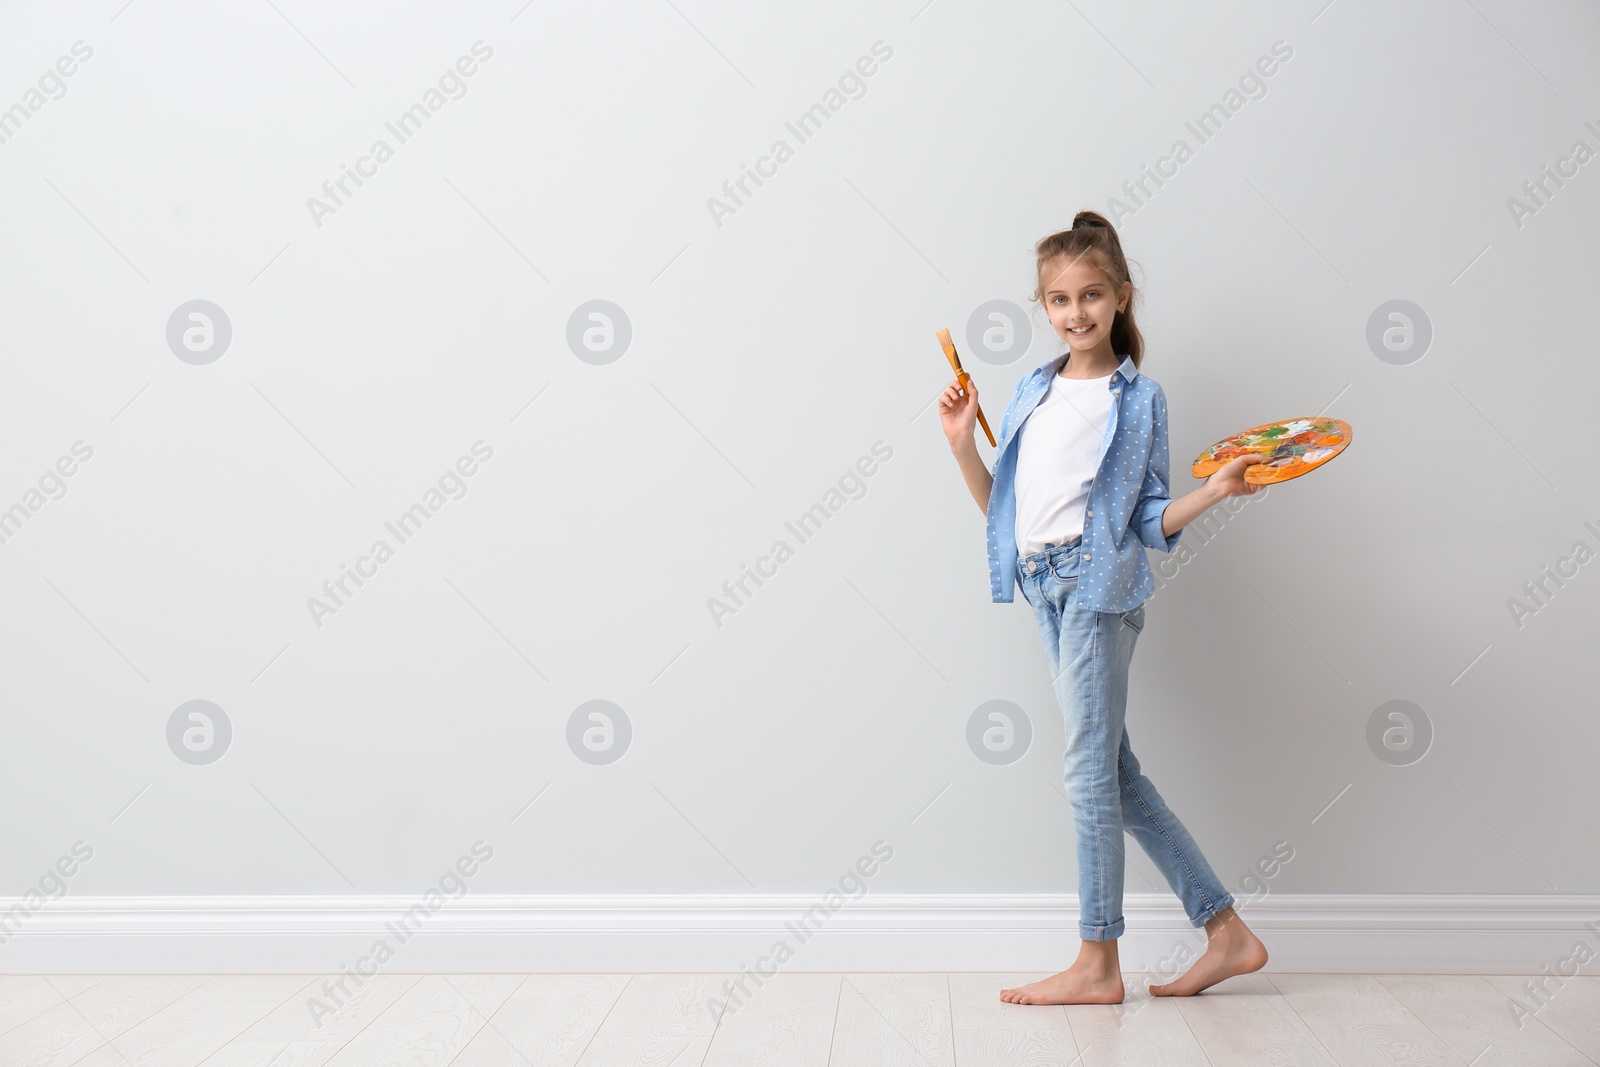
column 1292, row 447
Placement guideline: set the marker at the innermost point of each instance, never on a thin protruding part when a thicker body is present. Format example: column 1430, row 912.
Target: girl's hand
column 1228, row 480
column 958, row 413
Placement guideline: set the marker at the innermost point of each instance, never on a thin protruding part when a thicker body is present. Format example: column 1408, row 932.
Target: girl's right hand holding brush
column 958, row 411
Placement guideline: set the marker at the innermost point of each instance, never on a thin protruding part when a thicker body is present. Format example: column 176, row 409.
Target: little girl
column 1079, row 490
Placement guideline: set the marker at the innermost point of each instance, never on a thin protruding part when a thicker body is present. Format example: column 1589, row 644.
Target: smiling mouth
column 1079, row 331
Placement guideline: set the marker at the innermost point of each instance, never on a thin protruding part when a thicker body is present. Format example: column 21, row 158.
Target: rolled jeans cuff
column 1109, row 932
column 1224, row 904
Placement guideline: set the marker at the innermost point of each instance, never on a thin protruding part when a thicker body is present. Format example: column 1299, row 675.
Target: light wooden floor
column 871, row 1020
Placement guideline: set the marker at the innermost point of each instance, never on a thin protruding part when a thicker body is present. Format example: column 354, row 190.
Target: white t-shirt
column 1058, row 451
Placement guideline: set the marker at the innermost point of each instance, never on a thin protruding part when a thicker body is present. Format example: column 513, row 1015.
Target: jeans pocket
column 1134, row 620
column 1065, row 568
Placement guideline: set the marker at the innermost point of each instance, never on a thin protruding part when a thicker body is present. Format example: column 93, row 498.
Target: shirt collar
column 1128, row 371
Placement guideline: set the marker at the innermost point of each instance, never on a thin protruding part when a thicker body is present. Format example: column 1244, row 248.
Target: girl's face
column 1081, row 303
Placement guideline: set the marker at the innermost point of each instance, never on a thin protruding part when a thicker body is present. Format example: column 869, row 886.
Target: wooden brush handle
column 963, row 377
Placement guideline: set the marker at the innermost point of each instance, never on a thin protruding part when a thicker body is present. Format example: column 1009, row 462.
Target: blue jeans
column 1089, row 656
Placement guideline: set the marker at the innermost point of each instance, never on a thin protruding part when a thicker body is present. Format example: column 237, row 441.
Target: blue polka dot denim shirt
column 1129, row 493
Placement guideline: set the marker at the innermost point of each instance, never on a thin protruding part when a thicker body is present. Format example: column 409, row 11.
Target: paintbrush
column 963, row 377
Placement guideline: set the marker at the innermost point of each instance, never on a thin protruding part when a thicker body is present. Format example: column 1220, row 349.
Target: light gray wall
column 771, row 348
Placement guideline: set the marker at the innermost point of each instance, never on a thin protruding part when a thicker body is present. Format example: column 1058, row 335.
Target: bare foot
column 1094, row 978
column 1231, row 948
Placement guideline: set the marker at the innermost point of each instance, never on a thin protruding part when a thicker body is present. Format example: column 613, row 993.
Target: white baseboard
column 479, row 933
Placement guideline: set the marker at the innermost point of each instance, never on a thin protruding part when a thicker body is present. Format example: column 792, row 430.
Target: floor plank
column 1361, row 1023
column 243, row 1053
column 1245, row 1020
column 1012, row 1047
column 659, row 1020
column 197, row 1024
column 548, row 1021
column 326, row 1011
column 1475, row 1020
column 1142, row 1031
column 80, row 1024
column 1571, row 1009
column 24, row 997
column 789, row 1020
column 893, row 1029
column 70, row 985
column 431, row 1022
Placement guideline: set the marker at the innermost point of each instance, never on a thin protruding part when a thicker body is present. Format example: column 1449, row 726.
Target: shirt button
column 1086, row 559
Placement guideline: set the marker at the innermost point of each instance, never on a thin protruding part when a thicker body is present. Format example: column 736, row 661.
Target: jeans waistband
column 1028, row 564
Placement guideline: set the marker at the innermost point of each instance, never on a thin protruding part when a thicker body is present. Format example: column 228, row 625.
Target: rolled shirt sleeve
column 1154, row 495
